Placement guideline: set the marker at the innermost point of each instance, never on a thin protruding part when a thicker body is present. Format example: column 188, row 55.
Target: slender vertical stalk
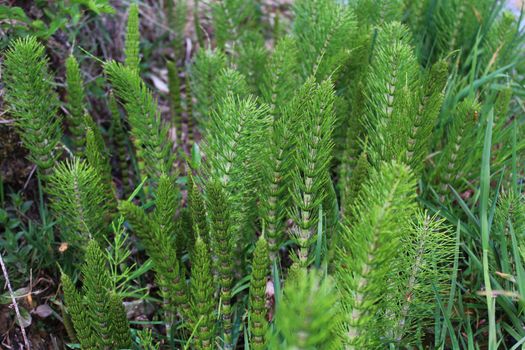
column 485, row 229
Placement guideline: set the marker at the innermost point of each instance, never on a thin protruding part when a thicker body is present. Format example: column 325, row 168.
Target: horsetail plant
column 177, row 11
column 98, row 160
column 33, row 102
column 274, row 192
column 206, row 67
column 354, row 184
column 155, row 234
column 76, row 104
column 222, row 248
column 175, row 98
column 308, row 315
column 372, row 13
column 169, row 273
column 150, row 133
column 197, row 210
column 132, row 50
column 430, row 98
column 448, row 169
column 120, row 141
column 313, row 111
column 229, row 82
column 423, row 273
column 98, row 315
column 230, row 17
column 78, row 197
column 251, row 59
column 232, row 146
column 202, row 300
column 324, row 32
column 280, row 76
column 369, row 249
column 337, row 144
column 258, row 282
column 392, row 80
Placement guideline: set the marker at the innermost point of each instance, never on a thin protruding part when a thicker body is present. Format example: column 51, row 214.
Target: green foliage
column 324, row 33
column 308, row 315
column 352, row 165
column 97, row 6
column 33, row 101
column 501, row 41
column 188, row 104
column 122, row 269
column 222, row 248
column 185, row 234
column 229, row 82
column 98, row 160
column 280, row 76
column 147, row 128
column 232, row 147
column 156, row 234
column 350, row 191
column 207, row 66
column 120, row 140
column 377, row 12
column 403, row 106
column 460, row 136
column 201, row 297
column 76, row 104
column 98, row 315
column 258, row 311
column 197, row 210
column 317, row 134
column 370, row 252
column 45, row 19
column 392, row 82
column 457, row 22
column 175, row 98
column 166, row 205
column 79, row 202
column 146, row 341
column 430, row 99
column 20, row 258
column 132, row 50
column 78, row 313
column 142, row 225
column 313, row 112
column 230, row 19
column 252, row 59
column 423, row 272
column 177, row 11
column 276, row 170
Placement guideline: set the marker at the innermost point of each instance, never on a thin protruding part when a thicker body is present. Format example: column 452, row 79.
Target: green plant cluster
column 358, row 184
column 43, row 19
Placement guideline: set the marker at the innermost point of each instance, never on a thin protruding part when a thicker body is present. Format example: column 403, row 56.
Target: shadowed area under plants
column 260, row 174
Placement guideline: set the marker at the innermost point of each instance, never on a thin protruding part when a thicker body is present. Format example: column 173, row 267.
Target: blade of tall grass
column 485, row 230
column 495, row 199
column 447, row 322
column 517, row 345
column 476, row 84
column 520, row 271
column 514, row 156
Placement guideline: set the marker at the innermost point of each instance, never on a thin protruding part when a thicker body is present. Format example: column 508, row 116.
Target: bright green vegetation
column 351, row 179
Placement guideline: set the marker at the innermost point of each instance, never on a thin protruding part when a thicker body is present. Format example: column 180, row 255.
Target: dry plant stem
column 15, row 305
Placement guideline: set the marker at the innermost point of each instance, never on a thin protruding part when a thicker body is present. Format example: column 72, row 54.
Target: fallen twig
column 15, row 305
